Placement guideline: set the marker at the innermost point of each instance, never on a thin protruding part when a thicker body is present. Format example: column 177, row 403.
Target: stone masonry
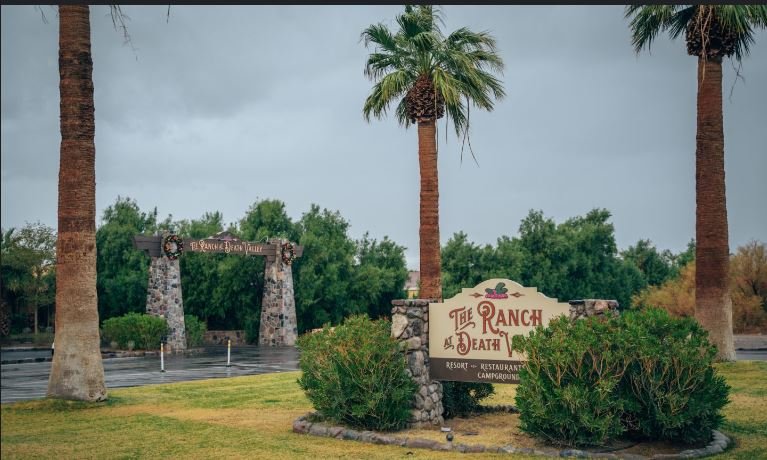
column 410, row 325
column 278, row 307
column 592, row 307
column 164, row 299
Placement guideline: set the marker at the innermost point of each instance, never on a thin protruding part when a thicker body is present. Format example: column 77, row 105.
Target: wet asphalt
column 29, row 380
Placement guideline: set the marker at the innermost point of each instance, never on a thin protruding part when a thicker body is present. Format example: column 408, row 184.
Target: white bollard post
column 162, row 357
column 228, row 352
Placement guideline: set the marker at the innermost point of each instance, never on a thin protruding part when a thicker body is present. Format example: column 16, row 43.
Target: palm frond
column 741, row 19
column 380, row 35
column 379, row 64
column 457, row 112
column 391, row 87
column 401, row 113
column 647, row 21
column 461, row 66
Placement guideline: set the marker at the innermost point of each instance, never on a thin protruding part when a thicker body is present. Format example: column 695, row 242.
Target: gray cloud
column 224, row 105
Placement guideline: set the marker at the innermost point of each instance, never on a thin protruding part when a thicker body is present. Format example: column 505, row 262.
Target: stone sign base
column 592, row 307
column 410, row 325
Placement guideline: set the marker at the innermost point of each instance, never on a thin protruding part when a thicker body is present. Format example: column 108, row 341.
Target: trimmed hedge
column 356, row 374
column 643, row 374
column 145, row 331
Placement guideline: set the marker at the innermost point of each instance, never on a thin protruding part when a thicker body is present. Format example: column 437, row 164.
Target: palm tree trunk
column 77, row 371
column 713, row 306
column 431, row 283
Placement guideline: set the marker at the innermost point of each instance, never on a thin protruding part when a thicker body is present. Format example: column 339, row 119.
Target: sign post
column 470, row 334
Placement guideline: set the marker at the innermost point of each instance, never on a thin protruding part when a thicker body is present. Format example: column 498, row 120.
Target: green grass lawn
column 251, row 417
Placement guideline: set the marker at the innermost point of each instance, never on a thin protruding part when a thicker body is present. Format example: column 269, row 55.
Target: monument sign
column 470, row 334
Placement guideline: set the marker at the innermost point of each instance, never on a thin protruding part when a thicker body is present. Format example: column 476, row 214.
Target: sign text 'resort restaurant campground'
column 470, row 334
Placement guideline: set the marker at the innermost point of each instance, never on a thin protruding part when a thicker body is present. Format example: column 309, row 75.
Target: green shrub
column 356, row 374
column 568, row 388
column 252, row 325
column 462, row 398
column 672, row 389
column 145, row 331
column 644, row 374
column 195, row 331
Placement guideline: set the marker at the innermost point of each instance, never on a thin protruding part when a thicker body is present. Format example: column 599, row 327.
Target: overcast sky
column 226, row 105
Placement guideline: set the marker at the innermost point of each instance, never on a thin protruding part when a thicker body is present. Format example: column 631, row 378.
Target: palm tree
column 712, row 32
column 430, row 74
column 77, row 371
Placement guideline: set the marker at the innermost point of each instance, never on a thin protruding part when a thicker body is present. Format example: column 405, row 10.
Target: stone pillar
column 278, row 307
column 410, row 325
column 164, row 299
column 592, row 307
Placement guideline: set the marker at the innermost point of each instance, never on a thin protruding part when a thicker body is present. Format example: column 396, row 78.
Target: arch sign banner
column 470, row 334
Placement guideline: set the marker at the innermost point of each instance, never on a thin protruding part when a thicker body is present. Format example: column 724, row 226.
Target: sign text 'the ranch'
column 470, row 334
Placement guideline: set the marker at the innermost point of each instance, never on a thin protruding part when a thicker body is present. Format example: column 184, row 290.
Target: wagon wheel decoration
column 173, row 246
column 288, row 253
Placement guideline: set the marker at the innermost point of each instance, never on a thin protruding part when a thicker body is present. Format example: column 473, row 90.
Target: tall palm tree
column 430, row 74
column 712, row 32
column 77, row 371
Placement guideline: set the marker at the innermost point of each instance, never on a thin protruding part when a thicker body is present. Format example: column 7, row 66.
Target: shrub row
column 135, row 330
column 195, row 331
column 642, row 374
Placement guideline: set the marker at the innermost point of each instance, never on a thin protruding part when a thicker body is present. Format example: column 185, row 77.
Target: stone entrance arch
column 164, row 297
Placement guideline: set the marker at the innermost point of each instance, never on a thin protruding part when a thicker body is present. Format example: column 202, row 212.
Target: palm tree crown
column 428, row 72
column 711, row 31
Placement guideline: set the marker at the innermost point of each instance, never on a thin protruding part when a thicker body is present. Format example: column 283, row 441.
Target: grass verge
column 251, row 417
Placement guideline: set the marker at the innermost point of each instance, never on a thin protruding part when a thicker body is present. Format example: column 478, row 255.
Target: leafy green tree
column 465, row 264
column 683, row 259
column 656, row 267
column 322, row 276
column 379, row 275
column 123, row 271
column 268, row 219
column 208, row 225
column 544, row 255
column 200, row 275
column 28, row 269
column 576, row 259
column 749, row 272
column 430, row 74
column 712, row 32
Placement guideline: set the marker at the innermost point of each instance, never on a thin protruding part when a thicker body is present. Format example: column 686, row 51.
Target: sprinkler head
column 449, row 437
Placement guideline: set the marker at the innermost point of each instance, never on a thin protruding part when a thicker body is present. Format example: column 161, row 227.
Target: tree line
column 338, row 276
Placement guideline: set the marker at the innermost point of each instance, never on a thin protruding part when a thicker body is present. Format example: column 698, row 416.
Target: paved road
column 30, row 380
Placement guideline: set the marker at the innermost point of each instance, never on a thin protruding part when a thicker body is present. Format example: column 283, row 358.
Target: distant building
column 413, row 284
